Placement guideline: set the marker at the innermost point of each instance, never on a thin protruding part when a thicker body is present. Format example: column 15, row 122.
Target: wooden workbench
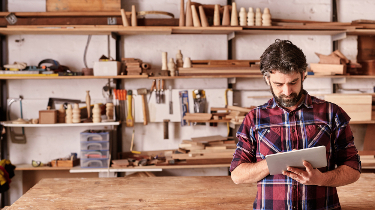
column 166, row 193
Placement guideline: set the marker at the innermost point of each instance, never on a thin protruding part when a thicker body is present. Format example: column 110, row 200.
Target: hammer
column 143, row 92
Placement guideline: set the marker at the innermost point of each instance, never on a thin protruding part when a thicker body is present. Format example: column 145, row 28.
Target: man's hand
column 310, row 176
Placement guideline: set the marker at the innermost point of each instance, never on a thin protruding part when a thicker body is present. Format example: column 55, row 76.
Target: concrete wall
column 45, row 144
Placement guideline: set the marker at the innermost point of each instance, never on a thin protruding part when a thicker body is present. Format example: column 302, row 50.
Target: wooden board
column 328, row 69
column 168, row 193
column 83, row 5
column 209, row 138
column 358, row 107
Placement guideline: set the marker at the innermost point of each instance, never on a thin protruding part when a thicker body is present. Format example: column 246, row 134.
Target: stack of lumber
column 134, row 66
column 221, row 67
column 205, row 117
column 140, row 174
column 334, row 63
column 358, row 107
column 237, row 114
column 203, row 150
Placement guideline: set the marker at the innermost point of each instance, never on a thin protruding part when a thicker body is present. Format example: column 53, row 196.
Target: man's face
column 286, row 88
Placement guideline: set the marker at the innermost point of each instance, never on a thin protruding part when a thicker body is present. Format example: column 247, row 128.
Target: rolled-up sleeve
column 346, row 152
column 246, row 146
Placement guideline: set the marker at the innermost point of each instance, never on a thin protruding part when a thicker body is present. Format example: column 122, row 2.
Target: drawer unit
column 94, row 154
column 94, row 145
column 94, row 163
column 94, row 135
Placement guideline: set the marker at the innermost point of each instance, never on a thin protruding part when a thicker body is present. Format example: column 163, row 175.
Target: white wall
column 47, row 143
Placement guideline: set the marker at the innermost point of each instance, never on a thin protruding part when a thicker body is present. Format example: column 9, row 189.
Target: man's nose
column 287, row 90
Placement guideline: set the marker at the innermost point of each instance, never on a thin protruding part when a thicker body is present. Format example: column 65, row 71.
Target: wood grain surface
column 166, row 193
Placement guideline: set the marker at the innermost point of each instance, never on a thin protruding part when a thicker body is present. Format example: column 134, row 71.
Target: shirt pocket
column 269, row 140
column 318, row 135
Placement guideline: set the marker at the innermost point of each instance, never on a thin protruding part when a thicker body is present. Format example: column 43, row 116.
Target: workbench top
column 166, row 193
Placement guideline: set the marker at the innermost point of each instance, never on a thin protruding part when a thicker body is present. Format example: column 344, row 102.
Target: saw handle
column 129, row 118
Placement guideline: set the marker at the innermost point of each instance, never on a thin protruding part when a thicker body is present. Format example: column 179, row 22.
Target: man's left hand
column 310, row 176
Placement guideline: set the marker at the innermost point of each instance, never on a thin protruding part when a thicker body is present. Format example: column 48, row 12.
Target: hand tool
column 124, row 93
column 162, row 95
column 165, row 128
column 132, row 143
column 120, row 108
column 170, row 100
column 115, row 103
column 153, row 87
column 142, row 92
column 184, row 104
column 129, row 118
column 158, row 93
column 15, row 137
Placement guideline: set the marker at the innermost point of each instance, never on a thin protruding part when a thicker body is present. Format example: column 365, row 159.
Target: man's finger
column 297, row 171
column 308, row 166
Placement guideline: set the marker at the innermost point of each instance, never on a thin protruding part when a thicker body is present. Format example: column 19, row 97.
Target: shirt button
column 294, row 207
column 294, row 187
column 293, row 130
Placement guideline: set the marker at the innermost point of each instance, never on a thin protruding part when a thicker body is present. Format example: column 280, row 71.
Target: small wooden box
column 48, row 116
column 65, row 163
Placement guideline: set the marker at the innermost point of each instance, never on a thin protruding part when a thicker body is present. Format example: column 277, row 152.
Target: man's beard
column 292, row 99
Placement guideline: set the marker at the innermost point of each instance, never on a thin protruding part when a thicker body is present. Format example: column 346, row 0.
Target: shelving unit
column 9, row 124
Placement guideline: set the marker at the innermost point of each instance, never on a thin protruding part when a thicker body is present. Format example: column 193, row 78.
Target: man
column 294, row 120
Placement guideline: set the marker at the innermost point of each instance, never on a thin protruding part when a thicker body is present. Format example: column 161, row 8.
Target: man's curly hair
column 283, row 56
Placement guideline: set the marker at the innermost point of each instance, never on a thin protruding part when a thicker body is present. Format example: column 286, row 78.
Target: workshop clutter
column 197, row 151
column 46, row 67
column 133, row 66
column 335, row 63
column 6, row 173
column 95, row 149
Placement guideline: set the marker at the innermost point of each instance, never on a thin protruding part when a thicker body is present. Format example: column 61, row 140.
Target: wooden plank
column 83, row 5
column 240, row 109
column 328, row 68
column 209, row 138
column 354, row 99
column 211, row 155
column 366, row 152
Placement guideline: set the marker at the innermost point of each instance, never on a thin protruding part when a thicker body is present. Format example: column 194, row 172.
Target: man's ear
column 267, row 80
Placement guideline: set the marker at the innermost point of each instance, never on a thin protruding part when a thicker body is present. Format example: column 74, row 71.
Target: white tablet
column 280, row 161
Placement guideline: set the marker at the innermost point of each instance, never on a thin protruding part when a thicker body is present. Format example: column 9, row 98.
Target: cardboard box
column 48, row 116
column 358, row 107
column 107, row 68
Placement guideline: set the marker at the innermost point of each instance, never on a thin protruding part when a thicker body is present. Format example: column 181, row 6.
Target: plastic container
column 92, row 135
column 94, row 163
column 95, row 145
column 95, row 154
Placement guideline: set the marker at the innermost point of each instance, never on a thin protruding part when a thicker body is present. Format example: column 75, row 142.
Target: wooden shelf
column 78, row 169
column 208, row 121
column 74, row 77
column 29, row 167
column 164, row 30
column 9, row 124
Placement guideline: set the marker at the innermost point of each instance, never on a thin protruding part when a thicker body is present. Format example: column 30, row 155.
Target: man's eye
column 278, row 85
column 293, row 83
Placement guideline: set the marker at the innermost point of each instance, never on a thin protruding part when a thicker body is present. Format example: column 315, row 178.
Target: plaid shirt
column 270, row 129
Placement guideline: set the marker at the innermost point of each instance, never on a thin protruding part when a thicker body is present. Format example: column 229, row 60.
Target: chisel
column 170, row 100
column 158, row 93
column 129, row 118
column 153, row 87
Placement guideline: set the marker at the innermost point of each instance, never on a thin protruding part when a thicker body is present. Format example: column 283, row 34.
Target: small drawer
column 94, row 163
column 95, row 154
column 93, row 135
column 93, row 145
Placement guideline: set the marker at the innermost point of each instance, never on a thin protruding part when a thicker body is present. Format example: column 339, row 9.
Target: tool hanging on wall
column 162, row 94
column 132, row 144
column 129, row 118
column 16, row 138
column 158, row 93
column 165, row 129
column 199, row 98
column 153, row 88
column 184, row 105
column 143, row 92
column 170, row 101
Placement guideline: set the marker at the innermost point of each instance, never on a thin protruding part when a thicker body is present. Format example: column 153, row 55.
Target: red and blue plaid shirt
column 270, row 129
